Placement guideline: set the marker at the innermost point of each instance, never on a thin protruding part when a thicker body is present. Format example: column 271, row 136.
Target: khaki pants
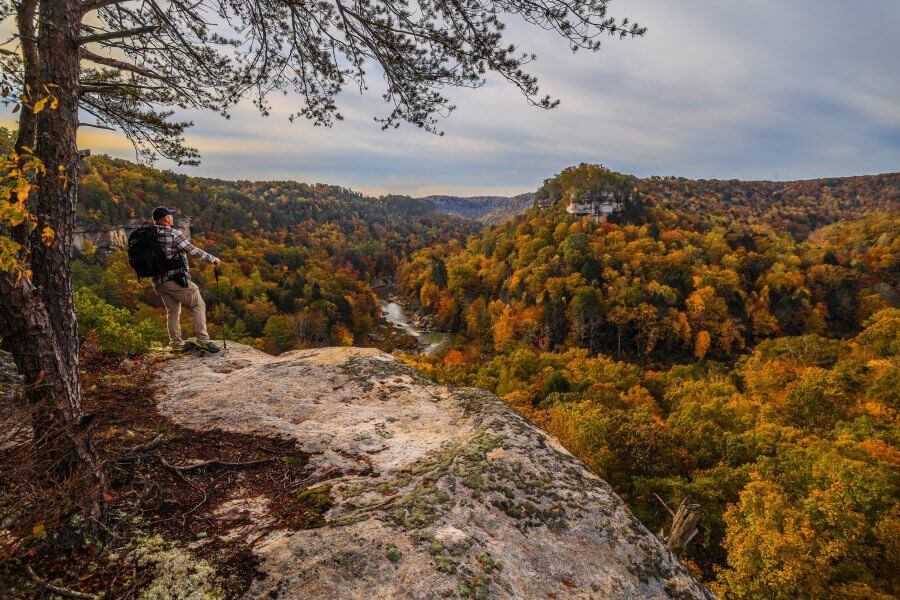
column 174, row 297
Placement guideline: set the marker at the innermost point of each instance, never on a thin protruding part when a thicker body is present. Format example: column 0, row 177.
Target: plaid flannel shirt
column 173, row 243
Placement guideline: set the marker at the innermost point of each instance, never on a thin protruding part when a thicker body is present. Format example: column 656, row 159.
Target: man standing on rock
column 175, row 287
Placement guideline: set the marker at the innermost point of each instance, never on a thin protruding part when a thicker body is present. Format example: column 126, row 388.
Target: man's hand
column 216, row 262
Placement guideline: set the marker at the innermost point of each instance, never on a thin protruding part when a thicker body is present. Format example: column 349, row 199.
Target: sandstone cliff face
column 107, row 239
column 430, row 492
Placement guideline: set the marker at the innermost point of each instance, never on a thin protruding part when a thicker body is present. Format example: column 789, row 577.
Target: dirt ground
column 163, row 481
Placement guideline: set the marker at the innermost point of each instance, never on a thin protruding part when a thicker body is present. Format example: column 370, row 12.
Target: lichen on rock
column 176, row 573
column 420, row 491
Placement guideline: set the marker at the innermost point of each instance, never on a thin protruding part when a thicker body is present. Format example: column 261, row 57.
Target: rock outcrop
column 107, row 239
column 424, row 491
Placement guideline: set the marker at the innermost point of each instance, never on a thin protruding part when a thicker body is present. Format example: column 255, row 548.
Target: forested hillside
column 489, row 210
column 795, row 207
column 798, row 207
column 671, row 280
column 364, row 233
column 710, row 341
column 299, row 261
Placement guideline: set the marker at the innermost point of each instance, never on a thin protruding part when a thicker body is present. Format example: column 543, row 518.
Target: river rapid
column 431, row 342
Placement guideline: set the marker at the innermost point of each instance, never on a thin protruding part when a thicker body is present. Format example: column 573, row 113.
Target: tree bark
column 685, row 525
column 57, row 197
column 39, row 359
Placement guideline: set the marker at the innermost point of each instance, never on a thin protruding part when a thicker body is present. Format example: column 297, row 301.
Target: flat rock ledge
column 430, row 492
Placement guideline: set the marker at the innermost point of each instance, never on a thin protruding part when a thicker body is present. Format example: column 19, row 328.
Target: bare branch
column 55, row 589
column 102, row 87
column 96, row 126
column 89, row 5
column 663, row 502
column 121, row 65
column 685, row 525
column 212, row 464
column 114, row 35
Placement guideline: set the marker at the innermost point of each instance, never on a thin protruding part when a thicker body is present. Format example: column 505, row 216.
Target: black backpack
column 146, row 256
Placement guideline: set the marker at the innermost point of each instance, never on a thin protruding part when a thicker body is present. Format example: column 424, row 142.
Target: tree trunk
column 56, row 412
column 57, row 192
column 25, row 15
column 26, row 11
column 684, row 527
column 38, row 314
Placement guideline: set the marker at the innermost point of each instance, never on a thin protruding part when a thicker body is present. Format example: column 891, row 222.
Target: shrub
column 114, row 327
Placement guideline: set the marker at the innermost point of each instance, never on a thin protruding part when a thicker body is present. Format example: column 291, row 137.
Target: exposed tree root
column 57, row 589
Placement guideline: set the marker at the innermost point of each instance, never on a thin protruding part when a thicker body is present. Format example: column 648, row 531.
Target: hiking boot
column 186, row 347
column 208, row 347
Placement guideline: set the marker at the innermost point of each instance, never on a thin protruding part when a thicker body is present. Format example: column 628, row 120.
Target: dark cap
column 161, row 212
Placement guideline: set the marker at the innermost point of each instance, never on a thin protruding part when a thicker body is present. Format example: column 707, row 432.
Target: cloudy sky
column 750, row 89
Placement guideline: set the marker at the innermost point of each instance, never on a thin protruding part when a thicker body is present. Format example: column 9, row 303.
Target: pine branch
column 114, row 35
column 96, row 126
column 89, row 5
column 104, row 87
column 121, row 65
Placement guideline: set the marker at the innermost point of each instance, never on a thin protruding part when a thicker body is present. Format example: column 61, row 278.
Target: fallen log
column 55, row 589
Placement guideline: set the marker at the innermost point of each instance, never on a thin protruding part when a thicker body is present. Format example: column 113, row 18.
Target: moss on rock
column 312, row 504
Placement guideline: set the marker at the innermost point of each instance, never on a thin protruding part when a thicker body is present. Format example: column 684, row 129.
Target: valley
column 718, row 341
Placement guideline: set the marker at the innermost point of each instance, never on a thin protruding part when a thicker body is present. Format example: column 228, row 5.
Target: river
column 431, row 342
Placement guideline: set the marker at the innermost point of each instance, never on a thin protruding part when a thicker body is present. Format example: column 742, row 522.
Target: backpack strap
column 179, row 255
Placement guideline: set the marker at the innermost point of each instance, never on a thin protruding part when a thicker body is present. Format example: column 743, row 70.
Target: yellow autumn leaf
column 38, row 530
column 15, row 216
column 39, row 105
column 23, row 188
column 47, row 236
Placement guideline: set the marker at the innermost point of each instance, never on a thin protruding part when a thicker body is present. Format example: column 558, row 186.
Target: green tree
column 586, row 316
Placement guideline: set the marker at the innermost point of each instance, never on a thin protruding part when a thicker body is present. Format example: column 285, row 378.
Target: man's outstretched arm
column 183, row 245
